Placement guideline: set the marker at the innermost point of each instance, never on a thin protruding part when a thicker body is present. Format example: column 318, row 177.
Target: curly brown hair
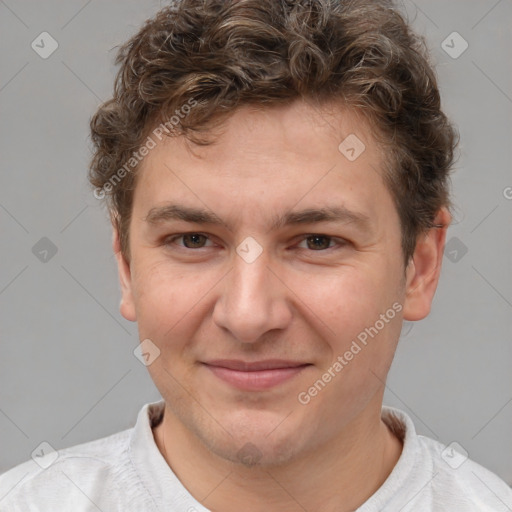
column 212, row 56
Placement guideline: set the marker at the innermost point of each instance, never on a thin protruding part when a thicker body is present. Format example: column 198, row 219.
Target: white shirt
column 126, row 472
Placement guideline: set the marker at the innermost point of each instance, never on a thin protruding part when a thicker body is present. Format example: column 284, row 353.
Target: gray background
column 67, row 370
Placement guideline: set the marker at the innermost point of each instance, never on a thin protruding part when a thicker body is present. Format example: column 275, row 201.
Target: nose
column 252, row 300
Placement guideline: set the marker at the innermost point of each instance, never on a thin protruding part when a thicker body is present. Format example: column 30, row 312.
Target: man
column 277, row 178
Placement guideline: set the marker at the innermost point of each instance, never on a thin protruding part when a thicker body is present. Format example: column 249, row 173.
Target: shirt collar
column 158, row 478
column 166, row 489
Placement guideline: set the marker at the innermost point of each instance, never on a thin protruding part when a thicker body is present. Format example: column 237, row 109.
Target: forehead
column 262, row 158
column 299, row 129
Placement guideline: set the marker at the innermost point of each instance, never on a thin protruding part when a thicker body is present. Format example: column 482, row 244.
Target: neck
column 339, row 475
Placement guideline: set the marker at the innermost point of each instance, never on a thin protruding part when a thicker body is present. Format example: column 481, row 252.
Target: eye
column 318, row 242
column 314, row 242
column 190, row 240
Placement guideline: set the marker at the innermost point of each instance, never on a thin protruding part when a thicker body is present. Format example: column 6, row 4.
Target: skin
column 197, row 300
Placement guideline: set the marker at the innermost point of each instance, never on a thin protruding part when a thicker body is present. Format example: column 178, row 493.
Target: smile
column 256, row 376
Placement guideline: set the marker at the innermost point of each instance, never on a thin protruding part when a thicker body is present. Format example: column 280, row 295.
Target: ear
column 127, row 306
column 424, row 269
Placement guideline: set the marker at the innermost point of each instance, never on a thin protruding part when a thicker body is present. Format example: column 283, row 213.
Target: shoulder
column 432, row 476
column 458, row 479
column 74, row 478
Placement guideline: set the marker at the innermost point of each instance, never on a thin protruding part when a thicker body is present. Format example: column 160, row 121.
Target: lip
column 257, row 375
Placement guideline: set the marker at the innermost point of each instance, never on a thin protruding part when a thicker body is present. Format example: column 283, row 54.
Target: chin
column 257, row 453
column 257, row 443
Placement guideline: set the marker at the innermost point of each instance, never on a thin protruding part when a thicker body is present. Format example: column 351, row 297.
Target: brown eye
column 318, row 242
column 193, row 240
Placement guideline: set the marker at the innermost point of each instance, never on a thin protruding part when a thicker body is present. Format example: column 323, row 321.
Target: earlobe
column 424, row 269
column 127, row 305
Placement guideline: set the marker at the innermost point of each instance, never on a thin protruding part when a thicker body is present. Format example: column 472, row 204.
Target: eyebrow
column 339, row 214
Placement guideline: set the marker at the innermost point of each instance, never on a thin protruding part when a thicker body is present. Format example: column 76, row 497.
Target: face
column 273, row 252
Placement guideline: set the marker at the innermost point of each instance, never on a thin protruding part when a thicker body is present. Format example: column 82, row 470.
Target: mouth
column 257, row 375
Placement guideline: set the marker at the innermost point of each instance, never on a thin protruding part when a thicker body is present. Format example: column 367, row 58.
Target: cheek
column 361, row 312
column 162, row 298
column 347, row 298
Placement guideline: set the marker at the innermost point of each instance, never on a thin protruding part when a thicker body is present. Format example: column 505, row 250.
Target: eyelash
column 339, row 241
